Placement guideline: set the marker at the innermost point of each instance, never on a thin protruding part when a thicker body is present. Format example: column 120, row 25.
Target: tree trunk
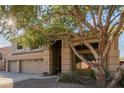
column 100, row 74
column 95, row 65
column 102, row 44
column 117, row 77
column 101, row 78
column 103, row 60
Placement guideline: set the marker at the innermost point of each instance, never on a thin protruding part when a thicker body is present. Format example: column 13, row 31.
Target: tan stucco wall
column 67, row 57
column 66, row 62
column 35, row 55
column 27, row 61
column 113, row 56
column 2, row 65
column 6, row 51
column 47, row 64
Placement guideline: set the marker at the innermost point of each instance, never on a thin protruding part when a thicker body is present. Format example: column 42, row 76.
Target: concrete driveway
column 9, row 77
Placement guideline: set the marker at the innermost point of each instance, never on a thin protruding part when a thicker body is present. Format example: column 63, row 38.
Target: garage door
column 13, row 66
column 32, row 66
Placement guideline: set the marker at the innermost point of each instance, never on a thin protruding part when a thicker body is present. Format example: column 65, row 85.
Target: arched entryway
column 56, row 57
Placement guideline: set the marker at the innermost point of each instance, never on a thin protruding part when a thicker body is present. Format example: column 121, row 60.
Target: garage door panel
column 32, row 67
column 13, row 67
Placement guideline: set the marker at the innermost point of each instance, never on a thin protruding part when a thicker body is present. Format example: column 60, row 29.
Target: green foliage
column 70, row 77
column 107, row 74
column 32, row 38
column 24, row 14
column 122, row 80
column 42, row 29
column 85, row 72
column 52, row 21
column 74, row 77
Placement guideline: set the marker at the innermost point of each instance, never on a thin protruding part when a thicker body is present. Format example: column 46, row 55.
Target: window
column 82, row 65
column 1, row 56
column 89, row 57
column 19, row 47
column 83, row 47
column 34, row 47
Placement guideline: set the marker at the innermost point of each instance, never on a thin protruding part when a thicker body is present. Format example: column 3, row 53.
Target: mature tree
column 41, row 25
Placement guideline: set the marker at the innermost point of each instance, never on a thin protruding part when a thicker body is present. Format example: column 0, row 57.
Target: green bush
column 85, row 72
column 69, row 77
column 122, row 80
column 107, row 74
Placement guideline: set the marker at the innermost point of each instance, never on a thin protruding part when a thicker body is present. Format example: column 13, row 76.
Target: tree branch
column 76, row 53
column 109, row 32
column 111, row 11
column 115, row 33
column 91, row 49
column 114, row 18
column 100, row 16
column 81, row 17
column 87, row 44
column 1, row 31
column 93, row 16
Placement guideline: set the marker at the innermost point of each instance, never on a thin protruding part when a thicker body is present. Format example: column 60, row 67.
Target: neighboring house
column 57, row 58
column 121, row 60
column 4, row 52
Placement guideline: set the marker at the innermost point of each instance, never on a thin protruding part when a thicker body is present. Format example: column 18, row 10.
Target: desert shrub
column 69, row 77
column 45, row 73
column 107, row 74
column 122, row 80
column 85, row 72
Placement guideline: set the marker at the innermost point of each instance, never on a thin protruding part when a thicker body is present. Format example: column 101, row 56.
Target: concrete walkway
column 9, row 77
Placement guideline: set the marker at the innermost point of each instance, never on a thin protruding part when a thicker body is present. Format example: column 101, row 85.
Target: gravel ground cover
column 49, row 83
column 45, row 83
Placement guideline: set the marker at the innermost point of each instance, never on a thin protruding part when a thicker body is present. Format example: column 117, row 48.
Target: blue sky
column 4, row 43
column 121, row 45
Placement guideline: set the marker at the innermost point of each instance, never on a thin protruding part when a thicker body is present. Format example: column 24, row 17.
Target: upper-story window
column 19, row 47
column 1, row 56
column 34, row 47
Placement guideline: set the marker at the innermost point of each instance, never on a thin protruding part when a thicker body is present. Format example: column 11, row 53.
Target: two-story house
column 57, row 58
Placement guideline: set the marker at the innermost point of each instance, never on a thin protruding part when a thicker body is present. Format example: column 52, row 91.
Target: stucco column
column 47, row 63
column 7, row 66
column 66, row 62
column 113, row 57
column 18, row 65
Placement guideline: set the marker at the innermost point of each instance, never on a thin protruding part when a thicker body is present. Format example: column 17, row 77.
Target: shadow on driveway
column 10, row 78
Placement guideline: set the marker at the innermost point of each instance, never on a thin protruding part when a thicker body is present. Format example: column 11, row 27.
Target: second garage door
column 31, row 66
